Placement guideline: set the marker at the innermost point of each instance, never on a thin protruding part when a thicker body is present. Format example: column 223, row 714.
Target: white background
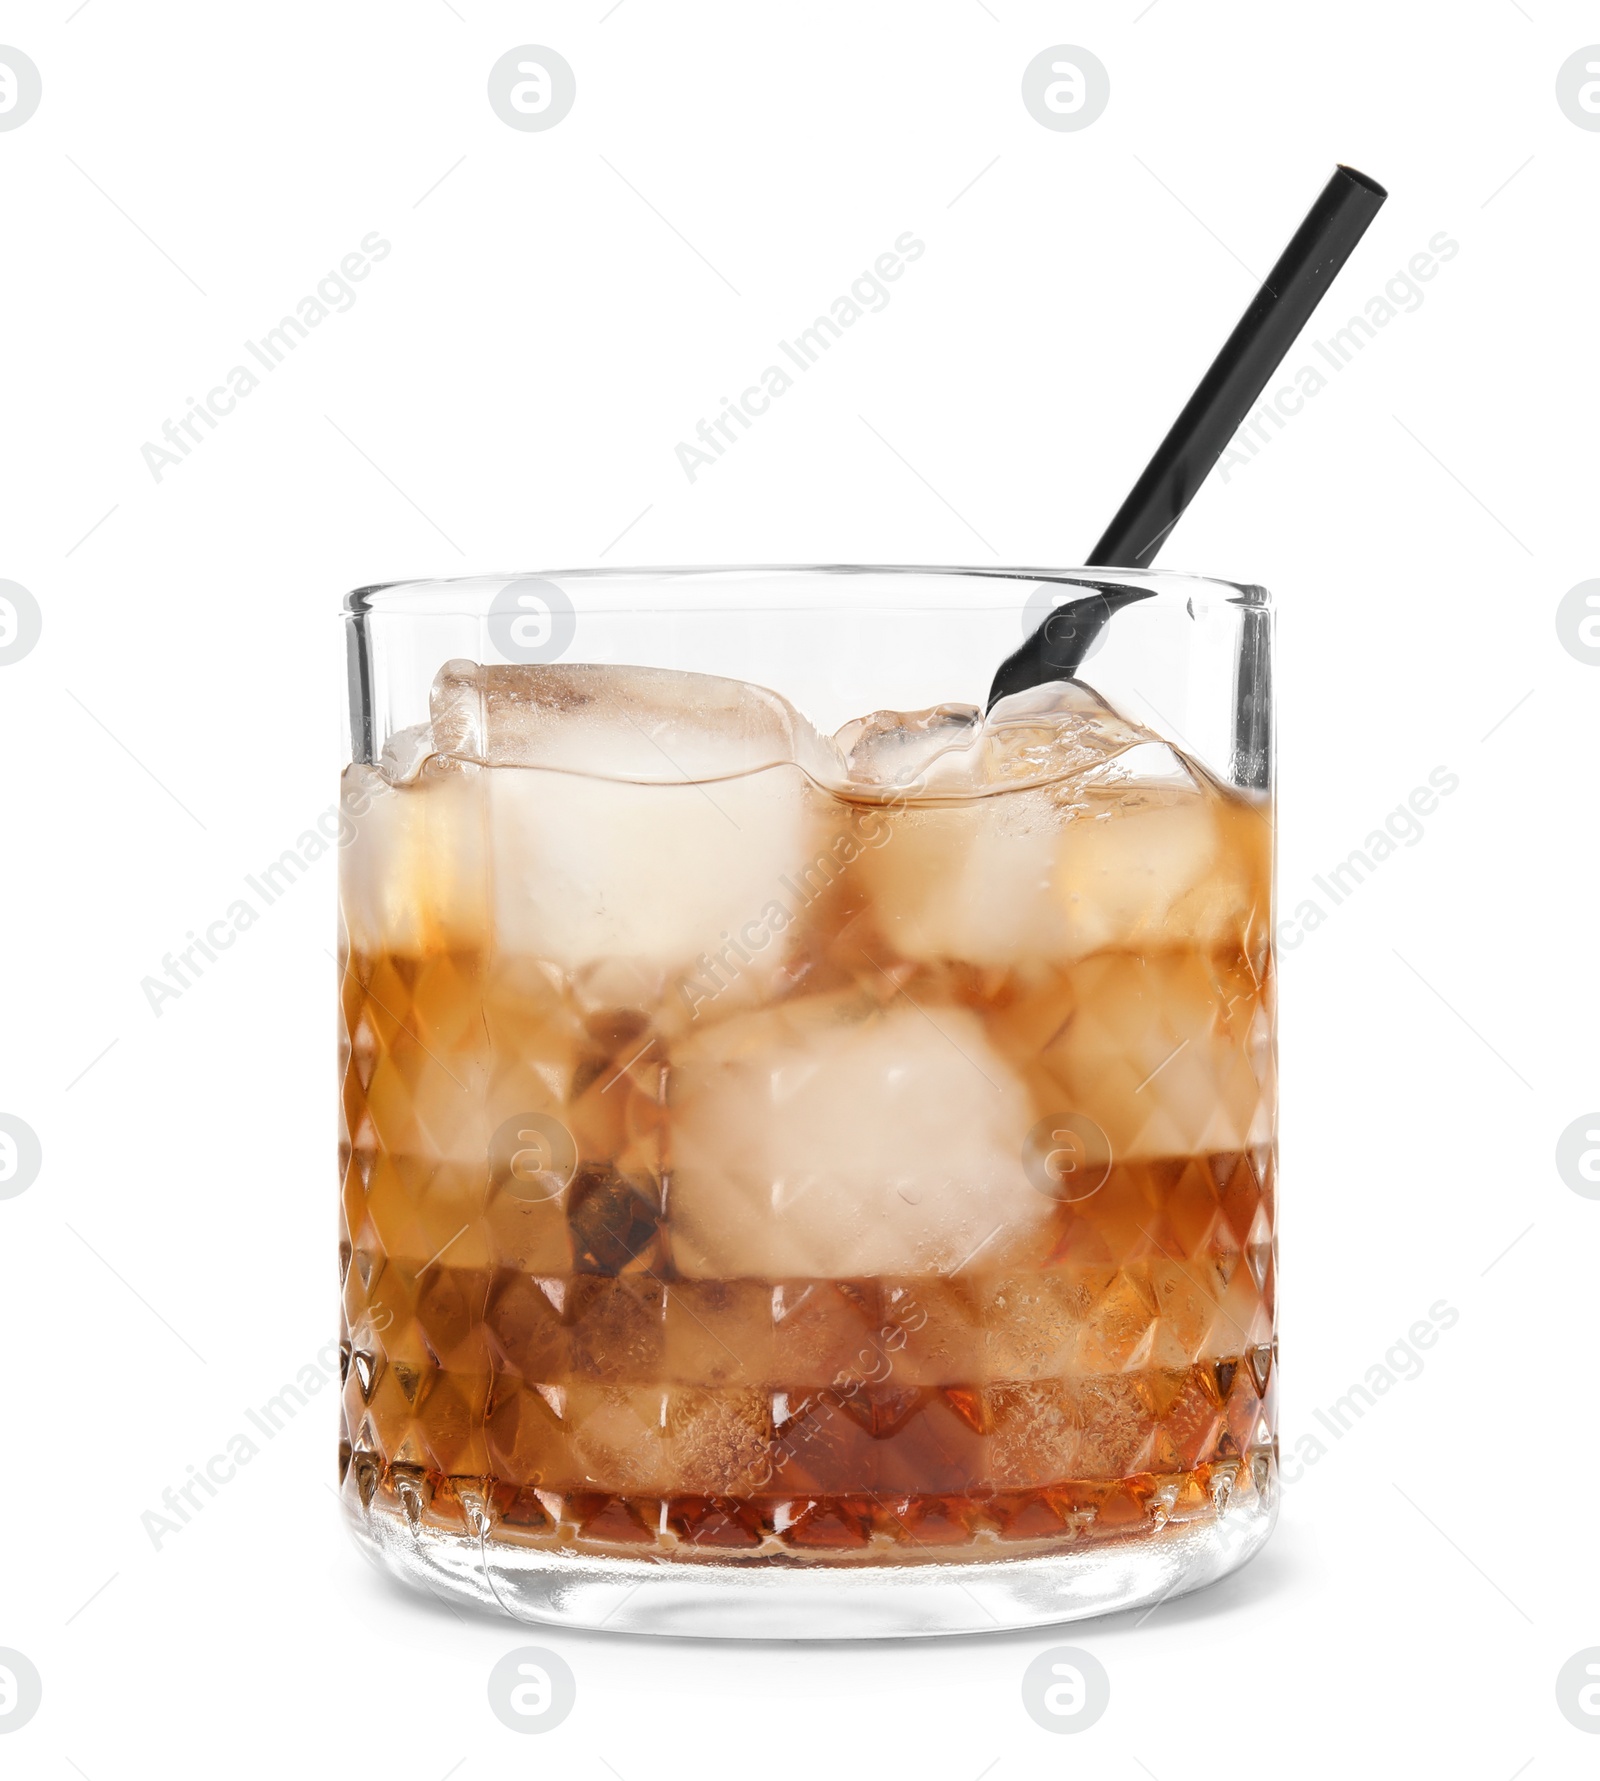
column 521, row 367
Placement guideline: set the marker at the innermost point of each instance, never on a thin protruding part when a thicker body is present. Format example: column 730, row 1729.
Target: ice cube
column 638, row 819
column 913, row 751
column 971, row 882
column 720, row 1440
column 648, row 726
column 1170, row 1054
column 1154, row 868
column 1050, row 733
column 413, row 880
column 834, row 1139
column 643, row 879
column 1064, row 731
column 1080, row 831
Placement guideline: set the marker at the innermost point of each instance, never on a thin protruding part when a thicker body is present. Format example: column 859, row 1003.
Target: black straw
column 1215, row 412
column 1231, row 388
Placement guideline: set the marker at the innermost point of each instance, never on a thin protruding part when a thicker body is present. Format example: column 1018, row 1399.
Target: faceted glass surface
column 659, row 1238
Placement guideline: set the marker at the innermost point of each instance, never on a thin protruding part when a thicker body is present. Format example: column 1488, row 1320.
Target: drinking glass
column 807, row 1145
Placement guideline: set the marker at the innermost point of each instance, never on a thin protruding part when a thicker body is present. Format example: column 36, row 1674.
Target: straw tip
column 1364, row 180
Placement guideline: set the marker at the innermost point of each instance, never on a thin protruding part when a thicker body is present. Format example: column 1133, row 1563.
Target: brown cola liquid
column 564, row 1327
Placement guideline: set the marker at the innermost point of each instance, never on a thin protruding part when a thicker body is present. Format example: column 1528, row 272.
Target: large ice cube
column 834, row 1139
column 644, row 725
column 971, row 882
column 1077, row 830
column 1157, row 868
column 1171, row 1054
column 637, row 819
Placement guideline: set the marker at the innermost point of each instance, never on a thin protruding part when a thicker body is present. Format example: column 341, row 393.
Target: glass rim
column 448, row 596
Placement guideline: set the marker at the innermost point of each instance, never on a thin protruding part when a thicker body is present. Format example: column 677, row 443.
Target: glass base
column 722, row 1600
